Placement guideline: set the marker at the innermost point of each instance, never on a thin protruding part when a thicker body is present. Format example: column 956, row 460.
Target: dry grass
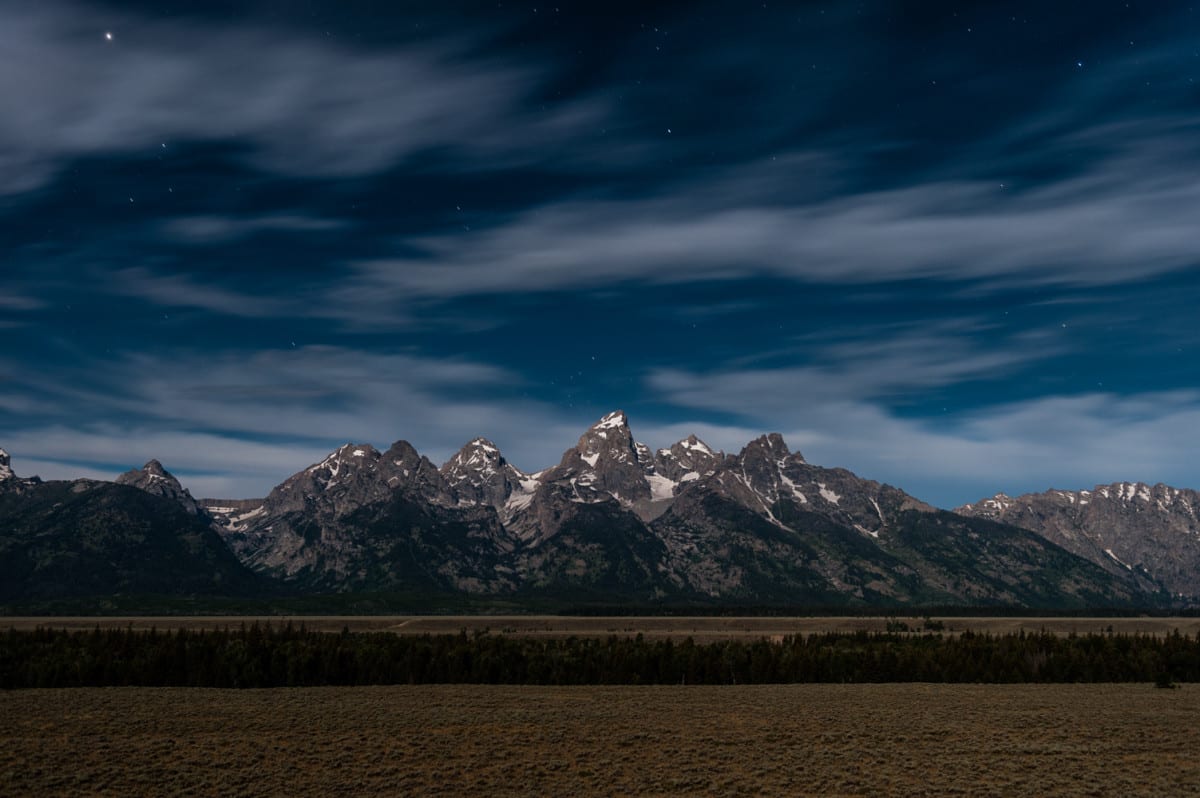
column 702, row 629
column 897, row 739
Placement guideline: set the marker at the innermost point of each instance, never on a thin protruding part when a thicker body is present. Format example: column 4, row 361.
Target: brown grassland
column 701, row 629
column 886, row 739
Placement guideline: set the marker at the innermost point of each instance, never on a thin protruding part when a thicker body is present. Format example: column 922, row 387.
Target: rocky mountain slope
column 615, row 520
column 89, row 538
column 1150, row 532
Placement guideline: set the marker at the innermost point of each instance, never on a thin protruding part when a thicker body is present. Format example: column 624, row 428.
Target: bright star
column 108, row 35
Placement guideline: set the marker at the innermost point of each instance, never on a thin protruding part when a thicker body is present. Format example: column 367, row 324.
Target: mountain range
column 614, row 522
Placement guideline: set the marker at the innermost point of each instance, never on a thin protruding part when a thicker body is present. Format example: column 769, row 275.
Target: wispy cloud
column 1066, row 441
column 293, row 104
column 878, row 364
column 178, row 289
column 257, row 417
column 212, row 229
column 1128, row 219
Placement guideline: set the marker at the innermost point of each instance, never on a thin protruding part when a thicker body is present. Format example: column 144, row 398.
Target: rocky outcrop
column 158, row 481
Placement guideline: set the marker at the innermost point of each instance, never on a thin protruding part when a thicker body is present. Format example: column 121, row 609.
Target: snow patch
column 878, row 511
column 865, row 531
column 518, row 501
column 661, row 487
column 590, row 459
column 359, row 453
column 612, row 421
column 689, row 477
column 786, row 480
column 828, row 495
column 1117, row 559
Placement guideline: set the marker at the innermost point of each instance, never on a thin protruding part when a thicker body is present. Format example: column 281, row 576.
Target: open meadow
column 893, row 739
column 701, row 629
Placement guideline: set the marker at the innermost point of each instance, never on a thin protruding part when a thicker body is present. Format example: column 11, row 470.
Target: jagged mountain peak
column 479, row 456
column 479, row 450
column 771, row 445
column 614, row 420
column 153, row 478
column 349, row 455
column 6, row 471
column 687, row 459
column 694, row 444
column 479, row 474
column 610, row 433
column 606, row 462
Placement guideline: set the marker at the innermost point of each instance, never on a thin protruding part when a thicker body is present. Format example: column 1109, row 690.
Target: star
column 108, row 35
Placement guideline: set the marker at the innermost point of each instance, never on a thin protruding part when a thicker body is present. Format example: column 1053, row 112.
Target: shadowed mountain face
column 93, row 539
column 1150, row 534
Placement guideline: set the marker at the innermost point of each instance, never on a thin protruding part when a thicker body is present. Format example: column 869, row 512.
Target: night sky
column 950, row 246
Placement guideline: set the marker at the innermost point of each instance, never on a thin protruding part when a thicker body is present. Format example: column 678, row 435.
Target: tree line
column 289, row 656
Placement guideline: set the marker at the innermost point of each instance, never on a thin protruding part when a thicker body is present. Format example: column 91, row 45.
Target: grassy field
column 898, row 739
column 700, row 628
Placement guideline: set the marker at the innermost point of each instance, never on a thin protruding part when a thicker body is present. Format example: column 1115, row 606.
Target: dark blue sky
column 950, row 246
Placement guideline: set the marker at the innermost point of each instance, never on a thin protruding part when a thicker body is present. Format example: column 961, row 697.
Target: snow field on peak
column 661, row 487
column 614, row 420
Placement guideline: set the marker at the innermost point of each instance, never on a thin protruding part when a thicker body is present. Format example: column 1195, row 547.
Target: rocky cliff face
column 1150, row 533
column 9, row 481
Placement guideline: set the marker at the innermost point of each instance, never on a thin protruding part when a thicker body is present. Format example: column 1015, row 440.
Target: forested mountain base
column 262, row 656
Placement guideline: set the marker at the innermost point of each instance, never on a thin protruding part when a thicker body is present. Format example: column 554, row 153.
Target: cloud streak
column 1127, row 220
column 293, row 104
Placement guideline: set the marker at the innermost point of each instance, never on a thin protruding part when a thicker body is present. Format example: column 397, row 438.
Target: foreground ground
column 896, row 739
column 700, row 629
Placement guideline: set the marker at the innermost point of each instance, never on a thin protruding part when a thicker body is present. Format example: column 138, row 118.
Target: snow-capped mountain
column 605, row 464
column 615, row 518
column 687, row 460
column 615, row 521
column 479, row 475
column 1150, row 531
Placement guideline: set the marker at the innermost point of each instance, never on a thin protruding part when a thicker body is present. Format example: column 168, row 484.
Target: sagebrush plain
column 894, row 739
